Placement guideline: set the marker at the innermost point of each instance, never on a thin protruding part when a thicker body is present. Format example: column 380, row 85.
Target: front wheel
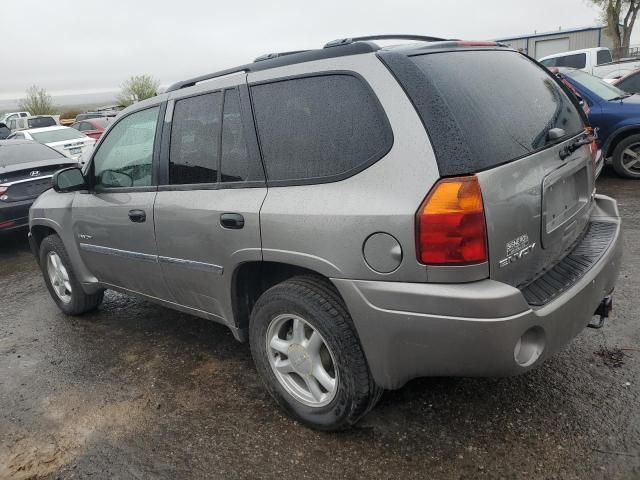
column 308, row 355
column 626, row 157
column 61, row 280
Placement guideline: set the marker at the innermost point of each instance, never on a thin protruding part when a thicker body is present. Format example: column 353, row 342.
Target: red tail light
column 450, row 224
column 3, row 189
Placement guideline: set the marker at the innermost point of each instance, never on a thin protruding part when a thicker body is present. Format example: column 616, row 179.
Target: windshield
column 60, row 135
column 13, row 153
column 601, row 89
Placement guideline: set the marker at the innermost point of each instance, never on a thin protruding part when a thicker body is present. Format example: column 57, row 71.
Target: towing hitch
column 603, row 310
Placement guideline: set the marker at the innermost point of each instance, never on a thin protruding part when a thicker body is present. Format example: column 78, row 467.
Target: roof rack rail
column 269, row 56
column 347, row 41
column 209, row 76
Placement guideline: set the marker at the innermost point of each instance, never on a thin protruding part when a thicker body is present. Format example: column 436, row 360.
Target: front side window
column 195, row 140
column 125, row 156
column 317, row 128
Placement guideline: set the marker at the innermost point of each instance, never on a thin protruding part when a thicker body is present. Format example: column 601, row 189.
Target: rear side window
column 41, row 122
column 604, row 56
column 195, row 139
column 236, row 163
column 320, row 128
column 486, row 108
column 630, row 84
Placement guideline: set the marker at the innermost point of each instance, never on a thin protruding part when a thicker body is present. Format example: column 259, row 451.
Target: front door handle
column 137, row 216
column 232, row 220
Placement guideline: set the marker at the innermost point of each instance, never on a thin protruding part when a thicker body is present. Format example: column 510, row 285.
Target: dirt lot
column 138, row 391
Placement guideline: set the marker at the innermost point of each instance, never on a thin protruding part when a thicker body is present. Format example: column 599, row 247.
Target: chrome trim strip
column 118, row 253
column 206, row 267
column 30, row 179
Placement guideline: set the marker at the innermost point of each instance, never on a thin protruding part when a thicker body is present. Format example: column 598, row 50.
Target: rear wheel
column 626, row 157
column 61, row 281
column 307, row 352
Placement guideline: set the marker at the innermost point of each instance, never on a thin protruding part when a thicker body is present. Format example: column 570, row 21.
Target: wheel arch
column 617, row 136
column 252, row 279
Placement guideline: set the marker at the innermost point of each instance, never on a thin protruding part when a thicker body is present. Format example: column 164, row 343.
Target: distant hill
column 64, row 102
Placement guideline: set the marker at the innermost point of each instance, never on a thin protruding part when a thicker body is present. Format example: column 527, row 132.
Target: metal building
column 539, row 45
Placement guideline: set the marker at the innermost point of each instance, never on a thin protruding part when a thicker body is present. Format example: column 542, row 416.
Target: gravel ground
column 138, row 391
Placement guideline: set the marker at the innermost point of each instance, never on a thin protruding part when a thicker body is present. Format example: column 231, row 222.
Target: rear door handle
column 233, row 221
column 137, row 216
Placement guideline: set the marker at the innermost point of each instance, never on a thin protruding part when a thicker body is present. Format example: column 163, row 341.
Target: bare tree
column 136, row 88
column 37, row 102
column 619, row 17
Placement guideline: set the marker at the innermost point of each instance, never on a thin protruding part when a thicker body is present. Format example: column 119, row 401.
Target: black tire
column 317, row 302
column 617, row 163
column 79, row 301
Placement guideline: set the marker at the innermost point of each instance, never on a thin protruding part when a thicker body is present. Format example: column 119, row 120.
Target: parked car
column 26, row 168
column 93, row 127
column 66, row 140
column 4, row 131
column 629, row 83
column 4, row 118
column 37, row 121
column 407, row 214
column 596, row 61
column 616, row 115
column 90, row 115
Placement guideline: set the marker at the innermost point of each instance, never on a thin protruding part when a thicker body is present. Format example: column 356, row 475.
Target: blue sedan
column 616, row 115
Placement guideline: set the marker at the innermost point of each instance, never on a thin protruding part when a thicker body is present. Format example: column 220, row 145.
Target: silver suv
column 361, row 215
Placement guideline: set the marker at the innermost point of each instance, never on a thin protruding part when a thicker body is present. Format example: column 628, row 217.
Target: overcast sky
column 73, row 46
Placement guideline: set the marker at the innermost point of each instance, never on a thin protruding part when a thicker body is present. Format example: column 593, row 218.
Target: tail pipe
column 602, row 312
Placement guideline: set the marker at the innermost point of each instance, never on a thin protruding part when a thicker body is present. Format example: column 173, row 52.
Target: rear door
column 113, row 223
column 512, row 119
column 207, row 213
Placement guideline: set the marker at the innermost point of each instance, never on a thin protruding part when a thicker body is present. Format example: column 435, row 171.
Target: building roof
column 554, row 32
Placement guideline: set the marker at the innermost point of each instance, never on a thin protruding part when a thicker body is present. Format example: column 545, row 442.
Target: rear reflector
column 450, row 224
column 7, row 224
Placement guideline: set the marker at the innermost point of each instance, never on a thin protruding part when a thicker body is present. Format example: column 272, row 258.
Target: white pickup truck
column 596, row 61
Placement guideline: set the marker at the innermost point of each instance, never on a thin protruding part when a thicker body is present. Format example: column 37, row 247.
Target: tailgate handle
column 232, row 220
column 137, row 216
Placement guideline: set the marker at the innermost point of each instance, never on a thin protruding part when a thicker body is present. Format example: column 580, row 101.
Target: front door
column 207, row 213
column 113, row 223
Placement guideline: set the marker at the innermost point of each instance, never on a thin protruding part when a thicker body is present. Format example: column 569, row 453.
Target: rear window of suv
column 319, row 128
column 486, row 108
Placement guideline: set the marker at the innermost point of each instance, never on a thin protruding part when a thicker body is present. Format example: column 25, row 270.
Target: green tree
column 136, row 88
column 37, row 102
column 619, row 16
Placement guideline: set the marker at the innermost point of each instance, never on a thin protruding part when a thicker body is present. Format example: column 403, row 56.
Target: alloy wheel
column 59, row 277
column 301, row 360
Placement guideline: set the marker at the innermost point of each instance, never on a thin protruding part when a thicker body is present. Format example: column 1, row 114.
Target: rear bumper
column 14, row 214
column 410, row 330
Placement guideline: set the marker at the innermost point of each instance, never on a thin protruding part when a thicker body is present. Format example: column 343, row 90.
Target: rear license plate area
column 75, row 150
column 564, row 197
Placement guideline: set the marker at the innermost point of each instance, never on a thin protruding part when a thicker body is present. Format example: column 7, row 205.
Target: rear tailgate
column 536, row 209
column 497, row 114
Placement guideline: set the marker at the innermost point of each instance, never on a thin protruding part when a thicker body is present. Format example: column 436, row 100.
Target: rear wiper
column 620, row 97
column 579, row 142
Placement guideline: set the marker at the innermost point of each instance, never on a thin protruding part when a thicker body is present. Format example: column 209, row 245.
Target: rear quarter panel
column 323, row 227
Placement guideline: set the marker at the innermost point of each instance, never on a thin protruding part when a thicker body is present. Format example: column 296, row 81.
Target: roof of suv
column 339, row 48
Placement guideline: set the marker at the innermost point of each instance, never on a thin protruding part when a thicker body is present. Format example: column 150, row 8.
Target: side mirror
column 68, row 180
